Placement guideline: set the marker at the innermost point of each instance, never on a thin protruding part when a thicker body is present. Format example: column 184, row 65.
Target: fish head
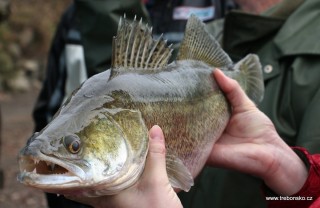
column 88, row 151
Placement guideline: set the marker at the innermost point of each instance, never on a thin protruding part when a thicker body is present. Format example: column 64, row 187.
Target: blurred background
column 25, row 37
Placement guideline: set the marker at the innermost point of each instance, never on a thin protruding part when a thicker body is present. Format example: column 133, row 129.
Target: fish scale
column 108, row 117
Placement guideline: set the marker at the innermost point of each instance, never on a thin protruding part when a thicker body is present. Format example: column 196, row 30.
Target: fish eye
column 72, row 143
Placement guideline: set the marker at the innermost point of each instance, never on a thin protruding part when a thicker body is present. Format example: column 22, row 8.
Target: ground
column 17, row 126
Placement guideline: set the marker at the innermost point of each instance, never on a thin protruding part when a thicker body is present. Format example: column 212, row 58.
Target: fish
column 97, row 142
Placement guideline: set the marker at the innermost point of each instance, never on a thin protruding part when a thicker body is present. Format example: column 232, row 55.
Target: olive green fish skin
column 185, row 101
column 98, row 141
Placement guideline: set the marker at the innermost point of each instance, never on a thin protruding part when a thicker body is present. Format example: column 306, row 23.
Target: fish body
column 98, row 141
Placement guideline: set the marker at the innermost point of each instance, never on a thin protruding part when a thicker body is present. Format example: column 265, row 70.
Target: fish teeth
column 52, row 165
column 36, row 161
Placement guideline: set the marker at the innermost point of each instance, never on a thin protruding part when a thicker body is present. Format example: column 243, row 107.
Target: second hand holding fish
column 251, row 144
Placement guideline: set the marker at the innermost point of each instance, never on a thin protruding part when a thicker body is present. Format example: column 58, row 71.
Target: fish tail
column 250, row 77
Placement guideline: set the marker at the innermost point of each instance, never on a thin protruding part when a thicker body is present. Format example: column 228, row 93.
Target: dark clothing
column 52, row 92
column 98, row 22
column 170, row 17
column 286, row 40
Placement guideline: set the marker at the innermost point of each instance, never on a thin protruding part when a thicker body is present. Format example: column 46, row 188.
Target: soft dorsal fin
column 199, row 45
column 134, row 49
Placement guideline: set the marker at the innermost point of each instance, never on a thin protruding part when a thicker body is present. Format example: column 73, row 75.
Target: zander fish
column 98, row 141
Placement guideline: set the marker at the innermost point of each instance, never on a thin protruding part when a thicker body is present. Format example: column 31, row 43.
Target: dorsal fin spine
column 151, row 52
column 139, row 48
column 127, row 49
column 161, row 59
column 134, row 48
column 145, row 46
column 161, row 53
column 134, row 39
column 121, row 40
column 136, row 61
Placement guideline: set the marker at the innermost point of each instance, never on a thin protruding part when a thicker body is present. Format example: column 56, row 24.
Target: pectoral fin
column 179, row 175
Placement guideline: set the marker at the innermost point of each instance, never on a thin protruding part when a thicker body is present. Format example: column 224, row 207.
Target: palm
column 243, row 142
column 250, row 144
column 244, row 139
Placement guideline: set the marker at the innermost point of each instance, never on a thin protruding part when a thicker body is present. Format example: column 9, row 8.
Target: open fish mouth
column 41, row 167
column 45, row 170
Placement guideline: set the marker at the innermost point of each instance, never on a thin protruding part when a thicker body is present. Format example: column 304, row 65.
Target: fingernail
column 156, row 133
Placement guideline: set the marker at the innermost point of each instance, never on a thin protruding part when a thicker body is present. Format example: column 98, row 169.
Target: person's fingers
column 236, row 96
column 155, row 167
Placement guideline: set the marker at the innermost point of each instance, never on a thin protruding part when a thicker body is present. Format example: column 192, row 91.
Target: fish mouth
column 47, row 171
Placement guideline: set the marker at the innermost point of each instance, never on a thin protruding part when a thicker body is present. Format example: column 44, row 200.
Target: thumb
column 156, row 160
column 235, row 94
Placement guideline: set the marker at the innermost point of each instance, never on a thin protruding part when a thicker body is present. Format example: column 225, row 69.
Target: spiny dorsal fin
column 134, row 48
column 199, row 45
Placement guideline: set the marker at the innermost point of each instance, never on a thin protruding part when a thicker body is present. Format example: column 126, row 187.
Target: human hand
column 153, row 188
column 250, row 144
